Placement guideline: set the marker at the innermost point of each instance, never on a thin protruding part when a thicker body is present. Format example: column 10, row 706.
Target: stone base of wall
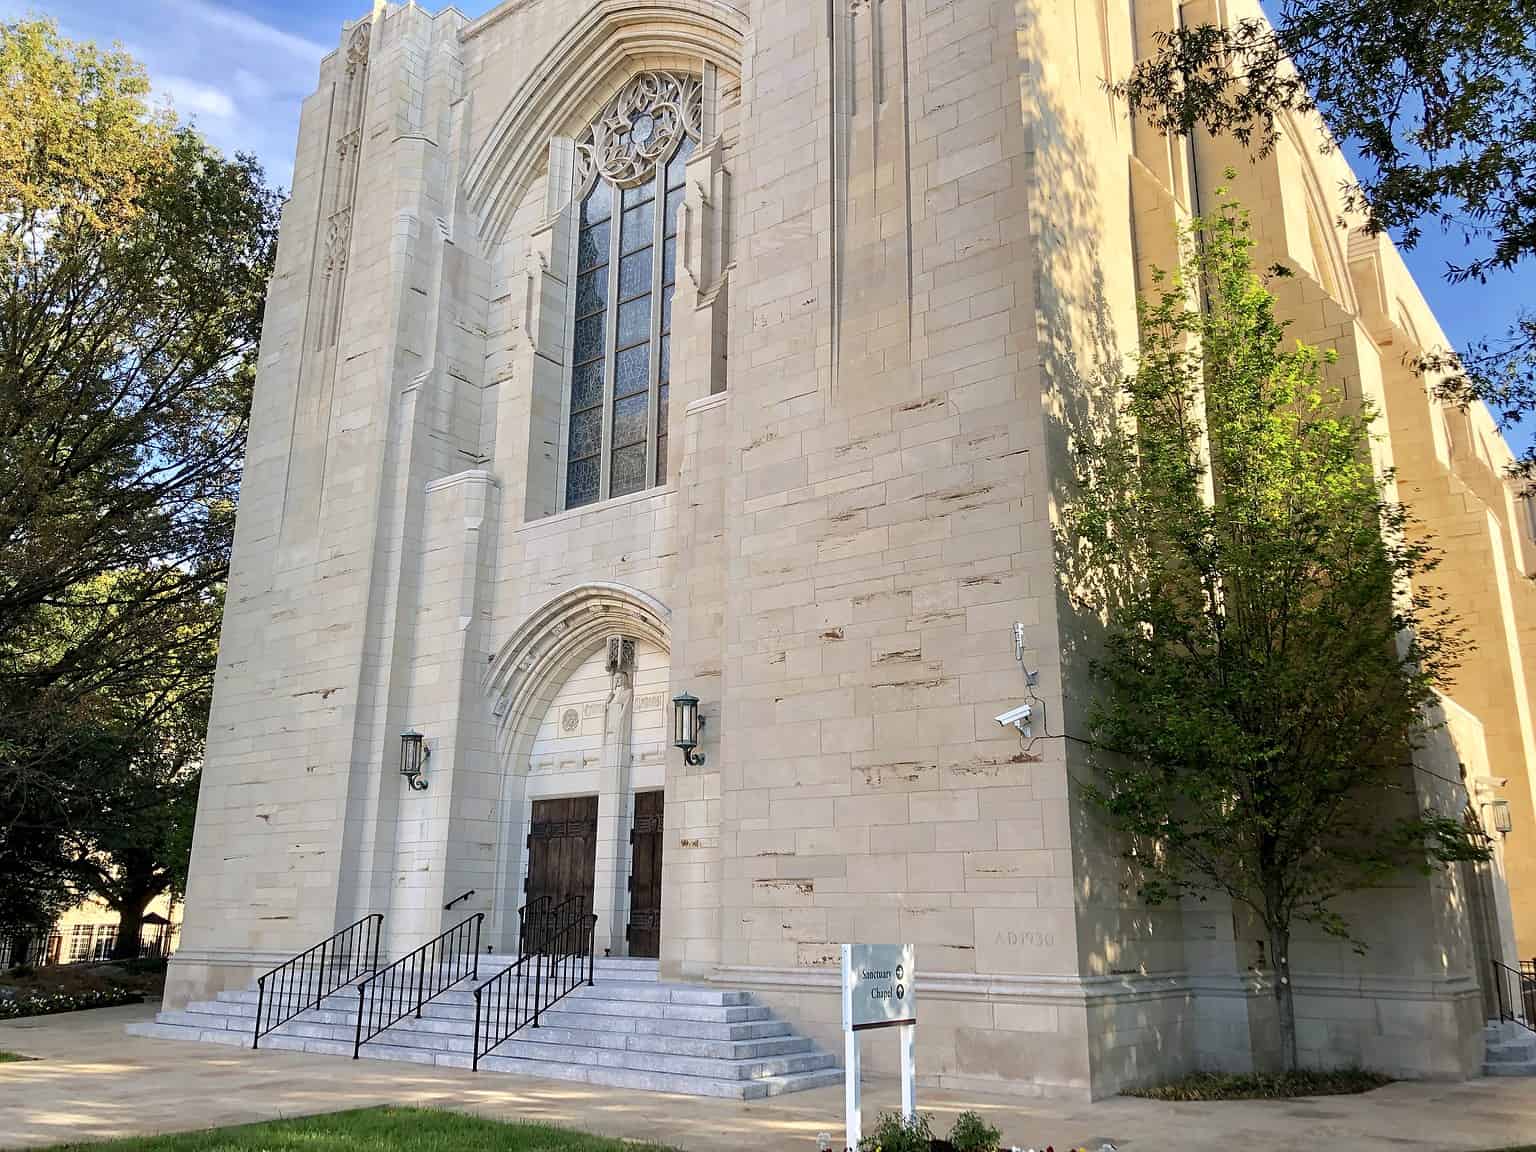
column 1080, row 1038
column 192, row 976
column 1091, row 1037
column 1411, row 1029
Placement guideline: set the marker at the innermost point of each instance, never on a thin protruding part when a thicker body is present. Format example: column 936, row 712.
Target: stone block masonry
column 619, row 348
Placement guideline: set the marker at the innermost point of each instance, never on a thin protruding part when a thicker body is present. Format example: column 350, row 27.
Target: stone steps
column 628, row 1030
column 1510, row 1050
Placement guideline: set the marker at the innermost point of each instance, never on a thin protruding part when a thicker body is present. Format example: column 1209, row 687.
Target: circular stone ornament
column 570, row 720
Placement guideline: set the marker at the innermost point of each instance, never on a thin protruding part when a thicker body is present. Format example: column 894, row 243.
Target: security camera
column 1018, row 717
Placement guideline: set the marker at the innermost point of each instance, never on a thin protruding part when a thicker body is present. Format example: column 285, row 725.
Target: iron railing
column 391, row 994
column 532, row 922
column 554, row 958
column 301, row 983
column 1516, row 992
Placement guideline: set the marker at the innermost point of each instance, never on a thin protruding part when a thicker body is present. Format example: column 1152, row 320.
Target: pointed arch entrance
column 579, row 694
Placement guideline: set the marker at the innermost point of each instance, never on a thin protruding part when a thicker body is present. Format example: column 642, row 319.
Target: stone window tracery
column 630, row 176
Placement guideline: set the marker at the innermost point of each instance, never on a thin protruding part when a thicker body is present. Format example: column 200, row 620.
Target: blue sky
column 240, row 69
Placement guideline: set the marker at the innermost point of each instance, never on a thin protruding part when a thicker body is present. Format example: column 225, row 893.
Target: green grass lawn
column 374, row 1130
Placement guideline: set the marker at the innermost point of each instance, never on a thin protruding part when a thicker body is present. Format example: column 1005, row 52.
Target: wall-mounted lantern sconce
column 1503, row 822
column 686, row 726
column 414, row 755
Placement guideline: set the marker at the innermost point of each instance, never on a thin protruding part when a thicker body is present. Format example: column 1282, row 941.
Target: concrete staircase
column 1511, row 1050
column 628, row 1030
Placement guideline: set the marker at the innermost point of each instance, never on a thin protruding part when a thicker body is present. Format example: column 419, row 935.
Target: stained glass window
column 584, row 450
column 633, row 161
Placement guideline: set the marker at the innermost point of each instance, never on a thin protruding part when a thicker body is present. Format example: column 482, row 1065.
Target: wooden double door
column 562, row 861
column 645, row 875
column 562, row 858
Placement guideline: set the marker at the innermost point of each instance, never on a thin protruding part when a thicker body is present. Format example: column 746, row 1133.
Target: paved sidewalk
column 93, row 1081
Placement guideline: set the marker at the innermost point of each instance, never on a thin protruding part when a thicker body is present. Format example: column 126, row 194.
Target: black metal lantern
column 414, row 755
column 686, row 726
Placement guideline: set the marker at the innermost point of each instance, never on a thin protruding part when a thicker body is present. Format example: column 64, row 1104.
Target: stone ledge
column 1086, row 990
column 470, row 476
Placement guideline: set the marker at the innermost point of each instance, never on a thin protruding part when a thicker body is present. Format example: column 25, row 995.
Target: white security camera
column 1018, row 717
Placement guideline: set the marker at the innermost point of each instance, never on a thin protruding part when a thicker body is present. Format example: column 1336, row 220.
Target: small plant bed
column 892, row 1133
column 373, row 1130
column 1262, row 1086
column 12, row 1058
column 29, row 991
column 51, row 1003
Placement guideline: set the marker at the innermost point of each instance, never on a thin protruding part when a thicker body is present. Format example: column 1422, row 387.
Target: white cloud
column 193, row 99
column 248, row 29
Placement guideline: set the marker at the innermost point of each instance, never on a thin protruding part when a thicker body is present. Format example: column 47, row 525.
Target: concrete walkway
column 91, row 1081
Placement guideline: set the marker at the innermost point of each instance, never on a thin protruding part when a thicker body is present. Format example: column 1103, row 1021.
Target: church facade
column 625, row 349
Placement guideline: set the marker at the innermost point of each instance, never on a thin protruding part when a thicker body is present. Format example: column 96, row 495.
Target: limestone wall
column 910, row 244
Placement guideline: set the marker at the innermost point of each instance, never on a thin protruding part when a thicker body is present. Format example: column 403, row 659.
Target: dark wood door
column 645, row 875
column 562, row 850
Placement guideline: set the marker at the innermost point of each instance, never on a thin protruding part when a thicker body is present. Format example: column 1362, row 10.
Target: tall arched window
column 630, row 176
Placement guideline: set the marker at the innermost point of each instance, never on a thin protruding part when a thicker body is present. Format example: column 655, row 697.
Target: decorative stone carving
column 640, row 127
column 357, row 47
column 338, row 235
column 616, row 725
column 621, row 654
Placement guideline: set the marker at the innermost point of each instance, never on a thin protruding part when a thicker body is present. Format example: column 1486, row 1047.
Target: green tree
column 1438, row 99
column 1270, row 649
column 124, row 786
column 133, row 270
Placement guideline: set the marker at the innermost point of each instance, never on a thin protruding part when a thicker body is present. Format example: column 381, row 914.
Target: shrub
column 894, row 1134
column 1264, row 1086
column 49, row 1004
column 973, row 1134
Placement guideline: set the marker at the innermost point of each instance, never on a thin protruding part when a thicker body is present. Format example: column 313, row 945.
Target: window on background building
column 106, row 937
column 80, row 939
column 630, row 176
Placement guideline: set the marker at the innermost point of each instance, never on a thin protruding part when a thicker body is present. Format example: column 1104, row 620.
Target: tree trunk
column 130, row 924
column 1285, row 1004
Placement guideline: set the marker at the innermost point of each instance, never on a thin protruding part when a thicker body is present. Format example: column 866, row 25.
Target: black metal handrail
column 417, row 978
column 1516, row 991
column 548, row 968
column 531, row 919
column 459, row 899
column 299, row 984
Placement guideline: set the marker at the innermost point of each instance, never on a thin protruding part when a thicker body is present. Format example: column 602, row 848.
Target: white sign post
column 878, row 992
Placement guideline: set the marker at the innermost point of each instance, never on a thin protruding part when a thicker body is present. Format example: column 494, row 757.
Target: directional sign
column 878, row 992
column 878, row 987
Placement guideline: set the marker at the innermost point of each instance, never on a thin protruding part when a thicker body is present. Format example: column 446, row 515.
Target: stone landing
column 627, row 1030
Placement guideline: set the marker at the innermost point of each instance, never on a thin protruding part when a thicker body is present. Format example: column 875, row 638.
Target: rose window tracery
column 640, row 126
